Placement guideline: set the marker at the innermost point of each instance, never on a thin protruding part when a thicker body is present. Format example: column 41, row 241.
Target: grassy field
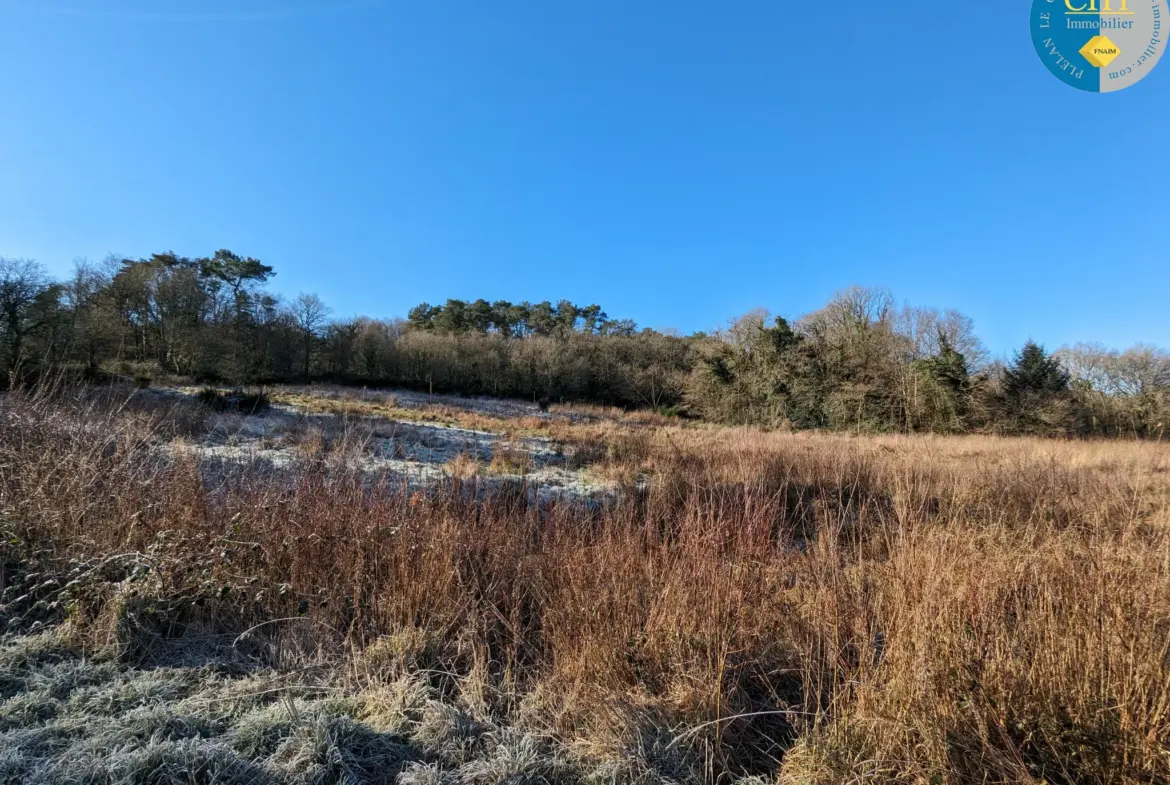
column 800, row 608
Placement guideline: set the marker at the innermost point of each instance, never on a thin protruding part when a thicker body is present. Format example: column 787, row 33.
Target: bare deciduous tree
column 310, row 315
column 23, row 286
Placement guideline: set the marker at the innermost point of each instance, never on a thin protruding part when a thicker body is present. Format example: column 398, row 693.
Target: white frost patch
column 419, row 454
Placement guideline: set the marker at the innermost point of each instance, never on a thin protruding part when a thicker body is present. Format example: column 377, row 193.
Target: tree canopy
column 859, row 363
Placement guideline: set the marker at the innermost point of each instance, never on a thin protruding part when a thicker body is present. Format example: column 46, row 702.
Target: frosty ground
column 403, row 437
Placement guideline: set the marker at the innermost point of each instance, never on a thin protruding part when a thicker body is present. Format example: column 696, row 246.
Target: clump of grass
column 510, row 459
column 463, row 466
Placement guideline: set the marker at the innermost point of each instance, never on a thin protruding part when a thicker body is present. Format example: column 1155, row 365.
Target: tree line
column 519, row 320
column 860, row 363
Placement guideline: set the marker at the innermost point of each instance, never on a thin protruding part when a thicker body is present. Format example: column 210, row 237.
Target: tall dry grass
column 817, row 608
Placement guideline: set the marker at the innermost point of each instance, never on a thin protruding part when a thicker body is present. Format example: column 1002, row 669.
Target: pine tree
column 949, row 367
column 1034, row 371
column 943, row 403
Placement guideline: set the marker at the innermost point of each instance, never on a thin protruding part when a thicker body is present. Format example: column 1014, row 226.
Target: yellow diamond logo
column 1100, row 51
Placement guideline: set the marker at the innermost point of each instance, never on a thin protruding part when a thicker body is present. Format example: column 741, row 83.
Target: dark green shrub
column 237, row 400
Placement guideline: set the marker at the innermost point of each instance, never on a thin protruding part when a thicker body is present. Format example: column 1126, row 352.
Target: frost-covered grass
column 66, row 718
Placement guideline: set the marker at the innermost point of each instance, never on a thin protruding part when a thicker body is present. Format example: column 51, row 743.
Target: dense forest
column 860, row 363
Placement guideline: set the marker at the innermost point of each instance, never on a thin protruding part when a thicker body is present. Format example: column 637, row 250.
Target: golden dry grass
column 509, row 459
column 812, row 607
column 567, row 418
column 463, row 466
column 388, row 408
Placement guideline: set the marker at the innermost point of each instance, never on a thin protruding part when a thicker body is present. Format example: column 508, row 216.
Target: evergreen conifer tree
column 1034, row 371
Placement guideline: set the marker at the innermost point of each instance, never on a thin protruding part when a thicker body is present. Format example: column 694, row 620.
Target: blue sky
column 677, row 162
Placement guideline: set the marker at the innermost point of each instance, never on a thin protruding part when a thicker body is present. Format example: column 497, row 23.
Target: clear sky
column 677, row 162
